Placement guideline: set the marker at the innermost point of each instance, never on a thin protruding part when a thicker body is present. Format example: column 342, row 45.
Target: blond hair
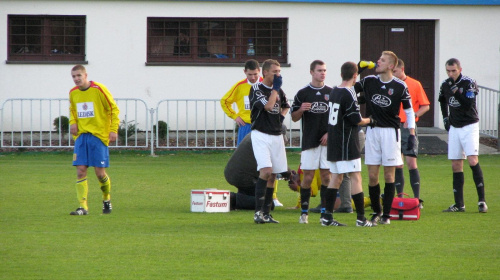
column 392, row 56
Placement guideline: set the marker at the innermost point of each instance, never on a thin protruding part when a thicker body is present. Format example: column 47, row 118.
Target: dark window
column 216, row 40
column 46, row 38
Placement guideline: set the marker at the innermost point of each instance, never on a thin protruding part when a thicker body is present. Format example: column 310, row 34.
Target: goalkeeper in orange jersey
column 93, row 123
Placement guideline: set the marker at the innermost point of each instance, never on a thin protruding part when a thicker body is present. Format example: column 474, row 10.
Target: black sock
column 359, row 203
column 477, row 174
column 399, row 181
column 260, row 191
column 268, row 201
column 322, row 197
column 415, row 182
column 374, row 192
column 389, row 191
column 305, row 196
column 458, row 188
column 330, row 197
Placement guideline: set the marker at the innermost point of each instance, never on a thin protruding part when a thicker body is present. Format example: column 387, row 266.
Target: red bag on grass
column 405, row 208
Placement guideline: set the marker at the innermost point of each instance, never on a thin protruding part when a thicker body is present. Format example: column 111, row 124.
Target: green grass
column 152, row 234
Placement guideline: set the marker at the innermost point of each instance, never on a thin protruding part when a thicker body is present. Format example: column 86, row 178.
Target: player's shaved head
column 267, row 64
column 79, row 67
column 314, row 63
column 348, row 70
column 401, row 63
column 453, row 61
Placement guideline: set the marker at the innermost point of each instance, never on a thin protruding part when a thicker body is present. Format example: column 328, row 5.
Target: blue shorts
column 243, row 131
column 90, row 151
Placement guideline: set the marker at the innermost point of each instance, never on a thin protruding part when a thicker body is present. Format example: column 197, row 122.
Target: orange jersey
column 418, row 97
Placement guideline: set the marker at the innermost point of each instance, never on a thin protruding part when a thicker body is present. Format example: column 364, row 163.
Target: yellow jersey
column 239, row 94
column 94, row 111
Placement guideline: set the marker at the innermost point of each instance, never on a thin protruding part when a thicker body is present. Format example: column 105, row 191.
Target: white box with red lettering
column 210, row 200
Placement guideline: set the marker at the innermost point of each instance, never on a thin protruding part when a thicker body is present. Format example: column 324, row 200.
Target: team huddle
column 331, row 124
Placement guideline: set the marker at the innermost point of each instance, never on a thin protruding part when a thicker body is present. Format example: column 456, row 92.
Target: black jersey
column 383, row 99
column 241, row 169
column 268, row 122
column 314, row 121
column 462, row 104
column 343, row 137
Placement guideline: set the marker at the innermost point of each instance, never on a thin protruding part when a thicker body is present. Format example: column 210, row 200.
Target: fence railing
column 187, row 123
column 201, row 124
column 44, row 123
column 488, row 103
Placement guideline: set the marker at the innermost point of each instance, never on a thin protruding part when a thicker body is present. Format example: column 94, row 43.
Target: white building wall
column 116, row 45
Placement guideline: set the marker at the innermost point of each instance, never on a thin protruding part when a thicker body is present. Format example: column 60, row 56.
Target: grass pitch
column 152, row 234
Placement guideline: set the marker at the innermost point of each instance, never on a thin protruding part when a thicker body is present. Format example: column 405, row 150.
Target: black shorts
column 404, row 142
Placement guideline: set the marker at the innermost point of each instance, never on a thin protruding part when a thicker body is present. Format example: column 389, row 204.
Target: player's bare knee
column 473, row 160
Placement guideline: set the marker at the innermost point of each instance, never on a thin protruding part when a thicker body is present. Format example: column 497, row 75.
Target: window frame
column 46, row 38
column 225, row 33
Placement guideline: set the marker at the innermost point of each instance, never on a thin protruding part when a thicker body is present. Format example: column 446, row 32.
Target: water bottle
column 250, row 49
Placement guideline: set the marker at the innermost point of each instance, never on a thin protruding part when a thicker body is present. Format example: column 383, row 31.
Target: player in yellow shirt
column 93, row 123
column 239, row 94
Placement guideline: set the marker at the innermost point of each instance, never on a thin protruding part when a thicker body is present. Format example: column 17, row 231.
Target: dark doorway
column 413, row 41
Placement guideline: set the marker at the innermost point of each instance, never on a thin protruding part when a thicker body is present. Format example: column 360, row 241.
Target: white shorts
column 345, row 166
column 383, row 146
column 269, row 151
column 314, row 158
column 463, row 141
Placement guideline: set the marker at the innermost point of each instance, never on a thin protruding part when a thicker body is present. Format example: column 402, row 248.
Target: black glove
column 411, row 142
column 373, row 122
column 277, row 82
column 446, row 122
column 362, row 65
column 282, row 118
column 452, row 84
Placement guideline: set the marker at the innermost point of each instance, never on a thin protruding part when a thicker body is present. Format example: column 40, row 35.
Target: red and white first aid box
column 210, row 200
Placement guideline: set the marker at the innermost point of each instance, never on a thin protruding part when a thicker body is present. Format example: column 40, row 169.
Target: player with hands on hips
column 268, row 105
column 384, row 94
column 457, row 98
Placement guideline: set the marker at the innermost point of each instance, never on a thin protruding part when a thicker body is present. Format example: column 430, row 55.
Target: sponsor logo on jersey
column 319, row 107
column 275, row 110
column 383, row 87
column 85, row 110
column 452, row 102
column 381, row 101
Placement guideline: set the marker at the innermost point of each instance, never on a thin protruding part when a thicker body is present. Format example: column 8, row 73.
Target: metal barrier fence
column 488, row 103
column 44, row 123
column 173, row 124
column 202, row 124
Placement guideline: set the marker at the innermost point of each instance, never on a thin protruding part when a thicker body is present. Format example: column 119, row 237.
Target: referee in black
column 458, row 94
column 269, row 106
